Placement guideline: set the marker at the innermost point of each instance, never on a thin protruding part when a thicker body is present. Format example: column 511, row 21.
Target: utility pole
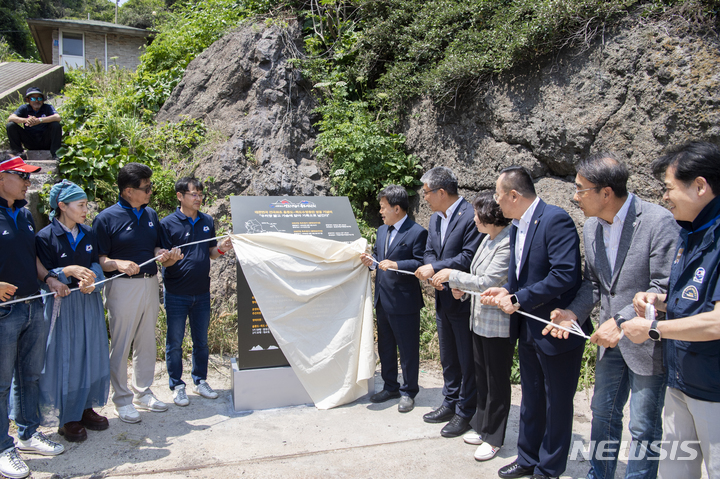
column 117, row 4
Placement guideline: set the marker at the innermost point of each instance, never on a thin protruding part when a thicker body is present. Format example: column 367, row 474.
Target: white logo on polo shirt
column 699, row 275
column 206, row 228
column 63, row 255
column 88, row 247
column 187, row 234
column 129, row 228
column 6, row 232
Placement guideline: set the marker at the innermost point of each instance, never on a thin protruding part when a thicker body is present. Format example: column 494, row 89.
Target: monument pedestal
column 266, row 388
column 269, row 388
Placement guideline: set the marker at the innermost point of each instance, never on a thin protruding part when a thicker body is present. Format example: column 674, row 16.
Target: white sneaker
column 127, row 414
column 11, row 465
column 180, row 396
column 485, row 452
column 204, row 390
column 40, row 444
column 149, row 402
column 471, row 437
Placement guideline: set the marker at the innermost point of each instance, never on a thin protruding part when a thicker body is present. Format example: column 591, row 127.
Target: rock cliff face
column 634, row 90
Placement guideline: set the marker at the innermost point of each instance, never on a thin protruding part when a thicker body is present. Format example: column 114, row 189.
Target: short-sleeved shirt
column 17, row 248
column 26, row 111
column 190, row 275
column 694, row 366
column 125, row 233
column 56, row 248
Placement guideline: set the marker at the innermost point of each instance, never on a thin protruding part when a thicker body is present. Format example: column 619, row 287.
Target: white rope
column 393, row 269
column 51, row 293
column 574, row 329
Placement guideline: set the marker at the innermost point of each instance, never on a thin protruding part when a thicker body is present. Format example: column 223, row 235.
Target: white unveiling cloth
column 316, row 298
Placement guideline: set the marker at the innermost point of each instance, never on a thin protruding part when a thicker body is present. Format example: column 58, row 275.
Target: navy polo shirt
column 128, row 234
column 17, row 248
column 190, row 275
column 57, row 249
column 26, row 111
column 694, row 367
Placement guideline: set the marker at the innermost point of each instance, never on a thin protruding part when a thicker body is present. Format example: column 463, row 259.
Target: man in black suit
column 452, row 241
column 544, row 274
column 398, row 297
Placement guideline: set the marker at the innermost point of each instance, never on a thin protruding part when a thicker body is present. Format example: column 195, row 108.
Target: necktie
column 387, row 239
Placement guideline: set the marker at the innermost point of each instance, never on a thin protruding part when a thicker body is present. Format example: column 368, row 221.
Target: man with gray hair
column 398, row 298
column 452, row 242
column 629, row 246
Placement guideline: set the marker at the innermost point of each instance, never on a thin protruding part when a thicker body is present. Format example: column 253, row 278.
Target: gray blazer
column 645, row 254
column 489, row 268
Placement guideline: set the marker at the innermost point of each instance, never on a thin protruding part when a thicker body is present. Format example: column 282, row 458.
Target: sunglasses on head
column 21, row 174
column 36, row 98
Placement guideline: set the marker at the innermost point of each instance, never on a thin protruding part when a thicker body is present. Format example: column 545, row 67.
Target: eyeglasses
column 427, row 192
column 36, row 98
column 195, row 196
column 25, row 176
column 147, row 189
column 584, row 189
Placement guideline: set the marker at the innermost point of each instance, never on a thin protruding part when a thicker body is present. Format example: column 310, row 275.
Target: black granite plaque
column 330, row 217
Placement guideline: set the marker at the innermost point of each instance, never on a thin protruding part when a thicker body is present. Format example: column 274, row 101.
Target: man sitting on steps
column 35, row 125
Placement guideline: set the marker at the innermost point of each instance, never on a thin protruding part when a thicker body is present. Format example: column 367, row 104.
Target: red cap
column 17, row 164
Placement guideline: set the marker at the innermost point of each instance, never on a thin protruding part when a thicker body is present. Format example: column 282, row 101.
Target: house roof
column 88, row 25
column 42, row 29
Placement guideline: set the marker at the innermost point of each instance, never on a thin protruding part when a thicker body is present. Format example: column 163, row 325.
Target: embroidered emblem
column 679, row 255
column 690, row 293
column 129, row 228
column 6, row 232
column 150, row 224
column 88, row 247
column 699, row 275
column 30, row 228
column 187, row 234
column 206, row 228
column 63, row 255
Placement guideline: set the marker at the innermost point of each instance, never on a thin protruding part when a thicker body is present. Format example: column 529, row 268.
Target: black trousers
column 399, row 332
column 546, row 410
column 493, row 364
column 49, row 139
column 456, row 357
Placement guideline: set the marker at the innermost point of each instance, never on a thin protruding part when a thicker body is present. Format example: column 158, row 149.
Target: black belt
column 142, row 275
column 16, row 298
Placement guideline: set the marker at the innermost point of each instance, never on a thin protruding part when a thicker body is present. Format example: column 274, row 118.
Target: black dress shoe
column 94, row 421
column 441, row 414
column 73, row 431
column 457, row 426
column 406, row 404
column 383, row 396
column 514, row 470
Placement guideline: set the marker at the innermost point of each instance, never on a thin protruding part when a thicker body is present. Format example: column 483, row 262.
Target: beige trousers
column 691, row 436
column 133, row 306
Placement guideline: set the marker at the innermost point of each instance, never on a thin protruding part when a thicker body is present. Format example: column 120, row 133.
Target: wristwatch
column 514, row 300
column 654, row 332
column 51, row 274
column 619, row 319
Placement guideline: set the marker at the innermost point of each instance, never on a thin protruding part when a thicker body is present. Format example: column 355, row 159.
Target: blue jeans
column 613, row 382
column 178, row 307
column 23, row 333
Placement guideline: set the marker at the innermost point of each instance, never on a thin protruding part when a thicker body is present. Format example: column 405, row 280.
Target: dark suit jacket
column 550, row 276
column 400, row 293
column 461, row 241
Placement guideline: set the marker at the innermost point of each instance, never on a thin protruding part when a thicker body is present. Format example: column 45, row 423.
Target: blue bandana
column 65, row 191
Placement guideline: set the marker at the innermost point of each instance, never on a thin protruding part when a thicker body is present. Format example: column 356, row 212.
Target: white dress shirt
column 445, row 219
column 393, row 233
column 522, row 225
column 612, row 232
